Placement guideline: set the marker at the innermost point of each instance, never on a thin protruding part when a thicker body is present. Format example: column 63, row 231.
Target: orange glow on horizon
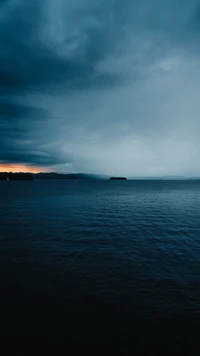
column 16, row 168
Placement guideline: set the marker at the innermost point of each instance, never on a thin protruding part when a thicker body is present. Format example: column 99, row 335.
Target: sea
column 106, row 265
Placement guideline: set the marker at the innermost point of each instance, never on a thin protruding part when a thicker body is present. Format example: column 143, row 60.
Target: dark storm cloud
column 74, row 77
column 17, row 144
column 33, row 45
column 18, row 150
column 10, row 109
column 28, row 62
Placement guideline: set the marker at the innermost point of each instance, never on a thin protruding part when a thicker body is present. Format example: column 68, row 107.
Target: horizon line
column 165, row 177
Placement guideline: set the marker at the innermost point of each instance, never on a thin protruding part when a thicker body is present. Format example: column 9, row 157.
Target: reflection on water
column 101, row 262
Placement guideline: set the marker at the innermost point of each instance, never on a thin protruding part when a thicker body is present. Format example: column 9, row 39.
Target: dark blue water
column 101, row 263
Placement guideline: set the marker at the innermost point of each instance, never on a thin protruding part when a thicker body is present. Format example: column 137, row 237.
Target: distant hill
column 79, row 176
column 49, row 176
column 69, row 176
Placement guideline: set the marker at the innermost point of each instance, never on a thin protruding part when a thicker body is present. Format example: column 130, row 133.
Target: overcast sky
column 101, row 86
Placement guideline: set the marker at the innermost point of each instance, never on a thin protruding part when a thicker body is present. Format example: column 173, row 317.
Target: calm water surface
column 101, row 263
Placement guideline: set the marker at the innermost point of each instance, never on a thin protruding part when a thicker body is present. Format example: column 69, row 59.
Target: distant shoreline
column 81, row 176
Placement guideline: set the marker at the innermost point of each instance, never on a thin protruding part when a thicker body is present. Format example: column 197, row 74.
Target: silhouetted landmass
column 15, row 176
column 80, row 176
column 118, row 178
column 49, row 176
column 73, row 176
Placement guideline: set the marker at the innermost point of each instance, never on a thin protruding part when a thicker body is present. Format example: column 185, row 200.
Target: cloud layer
column 107, row 87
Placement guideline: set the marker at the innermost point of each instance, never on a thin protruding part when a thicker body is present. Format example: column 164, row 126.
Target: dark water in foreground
column 101, row 263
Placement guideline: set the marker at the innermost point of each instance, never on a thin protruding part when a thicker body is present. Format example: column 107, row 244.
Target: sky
column 100, row 86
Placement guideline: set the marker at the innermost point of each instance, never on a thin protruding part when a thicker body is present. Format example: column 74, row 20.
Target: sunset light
column 15, row 168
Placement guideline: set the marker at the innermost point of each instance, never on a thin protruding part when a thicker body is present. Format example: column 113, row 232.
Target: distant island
column 118, row 178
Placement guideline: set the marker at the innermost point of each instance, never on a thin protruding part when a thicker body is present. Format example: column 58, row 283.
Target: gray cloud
column 42, row 53
column 105, row 86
